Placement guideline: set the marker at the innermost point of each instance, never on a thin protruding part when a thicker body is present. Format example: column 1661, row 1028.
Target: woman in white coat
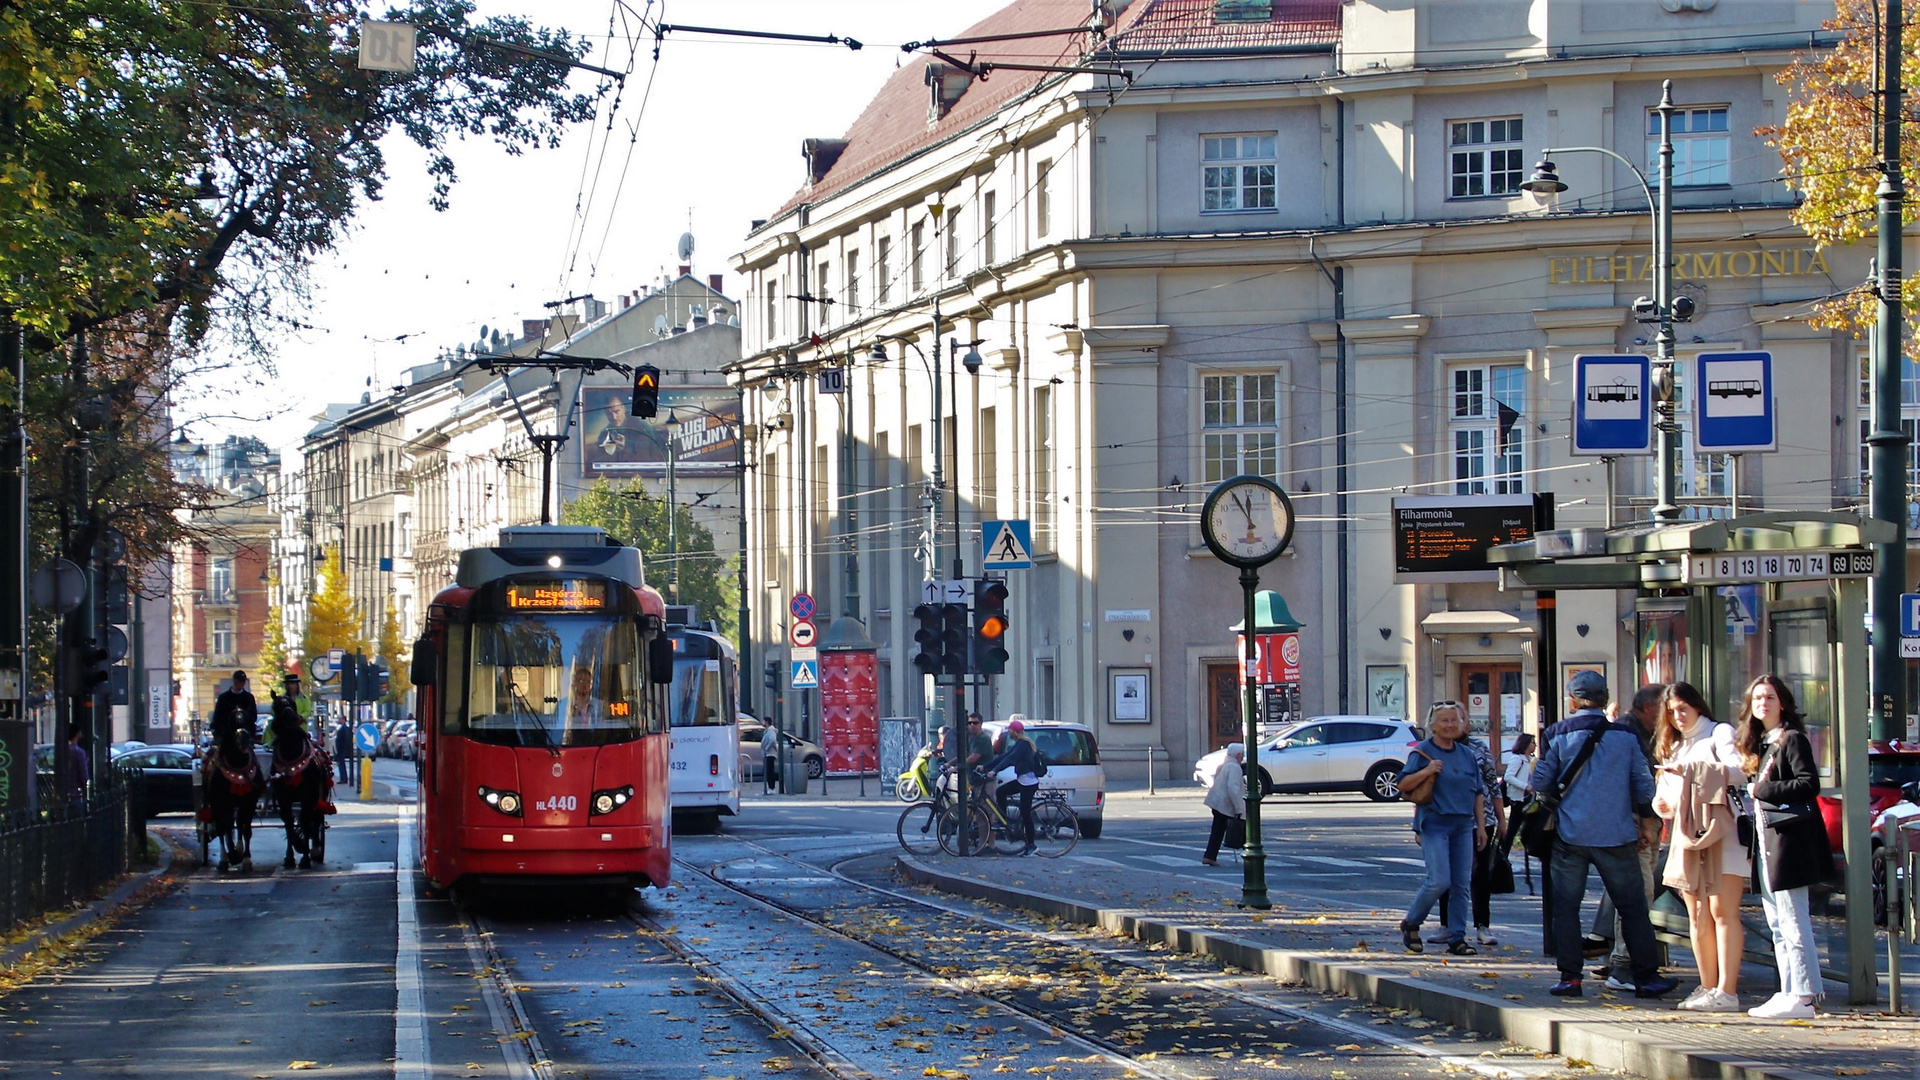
column 1227, row 798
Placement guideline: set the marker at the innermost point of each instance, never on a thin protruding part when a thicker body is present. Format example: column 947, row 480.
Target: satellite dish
column 686, row 246
column 483, row 330
column 660, row 325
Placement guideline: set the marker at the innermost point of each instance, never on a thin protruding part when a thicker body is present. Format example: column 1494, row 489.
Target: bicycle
column 918, row 826
column 1056, row 828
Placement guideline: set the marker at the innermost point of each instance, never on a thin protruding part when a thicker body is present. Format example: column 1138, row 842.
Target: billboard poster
column 616, row 443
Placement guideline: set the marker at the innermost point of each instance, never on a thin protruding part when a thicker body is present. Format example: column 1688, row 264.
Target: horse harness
column 290, row 774
column 239, row 782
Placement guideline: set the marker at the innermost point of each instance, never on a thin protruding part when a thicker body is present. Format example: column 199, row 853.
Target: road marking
column 371, row 868
column 1421, row 863
column 1327, row 860
column 410, row 1061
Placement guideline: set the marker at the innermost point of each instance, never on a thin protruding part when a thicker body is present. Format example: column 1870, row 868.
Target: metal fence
column 63, row 855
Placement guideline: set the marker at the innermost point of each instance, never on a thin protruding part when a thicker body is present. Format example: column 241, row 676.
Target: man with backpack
column 1595, row 782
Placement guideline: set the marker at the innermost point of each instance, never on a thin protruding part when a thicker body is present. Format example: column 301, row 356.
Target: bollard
column 1149, row 770
column 366, row 779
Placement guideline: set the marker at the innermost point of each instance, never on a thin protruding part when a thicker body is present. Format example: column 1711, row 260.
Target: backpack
column 1039, row 764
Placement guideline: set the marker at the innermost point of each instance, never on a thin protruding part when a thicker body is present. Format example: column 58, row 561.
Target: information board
column 1443, row 538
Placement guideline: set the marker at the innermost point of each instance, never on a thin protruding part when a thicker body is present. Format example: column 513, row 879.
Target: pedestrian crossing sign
column 806, row 675
column 1006, row 545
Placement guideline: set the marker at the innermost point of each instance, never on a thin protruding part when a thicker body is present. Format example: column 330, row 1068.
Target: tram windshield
column 555, row 680
column 697, row 696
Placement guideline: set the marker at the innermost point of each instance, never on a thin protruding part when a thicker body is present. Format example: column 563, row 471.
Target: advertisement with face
column 616, row 443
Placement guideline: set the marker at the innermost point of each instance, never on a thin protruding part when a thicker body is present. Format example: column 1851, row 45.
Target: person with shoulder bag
column 1793, row 850
column 1698, row 794
column 1227, row 799
column 1442, row 779
column 1492, row 873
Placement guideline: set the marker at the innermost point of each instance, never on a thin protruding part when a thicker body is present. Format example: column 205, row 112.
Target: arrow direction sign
column 806, row 675
column 932, row 591
column 1006, row 545
column 954, row 592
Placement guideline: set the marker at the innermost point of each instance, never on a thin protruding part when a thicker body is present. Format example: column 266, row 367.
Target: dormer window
column 1242, row 11
column 945, row 85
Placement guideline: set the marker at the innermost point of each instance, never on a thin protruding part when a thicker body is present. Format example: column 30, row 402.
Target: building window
column 953, row 242
column 1240, row 419
column 823, row 291
column 220, row 580
column 1909, row 423
column 220, row 638
column 1489, row 442
column 853, row 282
column 917, row 278
column 986, row 480
column 1236, row 173
column 1043, row 489
column 989, row 228
column 1042, row 199
column 773, row 309
column 1701, row 146
column 1485, row 158
column 883, row 269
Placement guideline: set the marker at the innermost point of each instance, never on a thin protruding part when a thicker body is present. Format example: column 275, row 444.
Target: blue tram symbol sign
column 1733, row 402
column 1612, row 406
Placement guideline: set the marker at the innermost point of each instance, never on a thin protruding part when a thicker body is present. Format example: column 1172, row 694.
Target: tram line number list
column 1778, row 566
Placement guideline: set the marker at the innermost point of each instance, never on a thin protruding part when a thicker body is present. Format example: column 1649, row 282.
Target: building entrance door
column 1493, row 696
column 1224, row 705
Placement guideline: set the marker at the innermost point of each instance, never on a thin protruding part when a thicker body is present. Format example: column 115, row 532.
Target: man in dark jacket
column 343, row 751
column 1597, row 829
column 1641, row 719
column 234, row 709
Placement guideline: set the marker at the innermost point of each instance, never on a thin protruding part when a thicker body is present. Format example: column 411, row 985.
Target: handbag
column 1783, row 818
column 1540, row 817
column 1499, row 871
column 1422, row 792
column 1236, row 837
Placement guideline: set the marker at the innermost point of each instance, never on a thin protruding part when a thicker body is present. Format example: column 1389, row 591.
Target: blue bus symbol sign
column 1733, row 402
column 1910, row 614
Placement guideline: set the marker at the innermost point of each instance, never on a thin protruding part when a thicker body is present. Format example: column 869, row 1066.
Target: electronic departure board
column 1442, row 538
column 571, row 595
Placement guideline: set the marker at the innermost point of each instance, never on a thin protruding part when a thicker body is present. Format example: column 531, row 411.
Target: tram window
column 554, row 681
column 453, row 696
column 696, row 697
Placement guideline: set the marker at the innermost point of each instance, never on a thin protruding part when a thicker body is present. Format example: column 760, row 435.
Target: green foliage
column 632, row 516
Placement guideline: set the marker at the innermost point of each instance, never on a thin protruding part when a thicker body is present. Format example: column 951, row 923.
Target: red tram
column 542, row 675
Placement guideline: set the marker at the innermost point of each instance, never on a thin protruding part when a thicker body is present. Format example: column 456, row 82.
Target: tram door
column 1493, row 696
column 1800, row 650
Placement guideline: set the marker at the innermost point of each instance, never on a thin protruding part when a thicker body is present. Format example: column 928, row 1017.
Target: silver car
column 1073, row 766
column 1330, row 753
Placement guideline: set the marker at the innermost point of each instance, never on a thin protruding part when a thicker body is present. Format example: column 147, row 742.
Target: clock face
column 1248, row 521
column 320, row 668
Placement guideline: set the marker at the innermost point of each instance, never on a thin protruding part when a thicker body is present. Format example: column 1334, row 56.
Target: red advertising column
column 849, row 698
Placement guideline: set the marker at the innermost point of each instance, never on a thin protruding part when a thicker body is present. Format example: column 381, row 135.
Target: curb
column 1606, row 1046
column 88, row 915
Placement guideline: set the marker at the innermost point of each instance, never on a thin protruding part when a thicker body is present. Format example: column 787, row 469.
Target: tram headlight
column 507, row 802
column 606, row 802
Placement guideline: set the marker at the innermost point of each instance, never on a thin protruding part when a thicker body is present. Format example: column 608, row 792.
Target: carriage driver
column 302, row 704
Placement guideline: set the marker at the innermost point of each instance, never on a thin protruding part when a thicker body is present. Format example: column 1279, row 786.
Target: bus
column 703, row 712
column 542, row 676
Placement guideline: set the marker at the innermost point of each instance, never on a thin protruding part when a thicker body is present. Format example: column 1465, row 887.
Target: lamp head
column 673, row 425
column 877, row 354
column 1545, row 179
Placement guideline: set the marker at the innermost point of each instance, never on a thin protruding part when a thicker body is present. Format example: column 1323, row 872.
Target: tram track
column 1089, row 1028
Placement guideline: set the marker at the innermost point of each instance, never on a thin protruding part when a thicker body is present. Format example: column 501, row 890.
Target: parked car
column 802, row 750
column 1892, row 769
column 1329, row 753
column 1073, row 766
column 169, row 775
column 399, row 740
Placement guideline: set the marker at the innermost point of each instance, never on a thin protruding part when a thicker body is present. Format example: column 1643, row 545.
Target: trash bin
column 793, row 774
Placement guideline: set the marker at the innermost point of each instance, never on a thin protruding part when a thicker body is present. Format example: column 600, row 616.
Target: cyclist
column 1022, row 758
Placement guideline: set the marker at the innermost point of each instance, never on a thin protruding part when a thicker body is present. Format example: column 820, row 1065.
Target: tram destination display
column 1445, row 538
column 568, row 595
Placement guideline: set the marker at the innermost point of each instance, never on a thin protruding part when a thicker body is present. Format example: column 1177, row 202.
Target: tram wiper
column 521, row 704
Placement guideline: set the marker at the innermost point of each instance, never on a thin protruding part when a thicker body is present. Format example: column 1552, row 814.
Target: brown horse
column 233, row 786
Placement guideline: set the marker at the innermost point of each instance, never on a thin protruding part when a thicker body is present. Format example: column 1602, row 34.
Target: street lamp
column 1663, row 308
column 673, row 509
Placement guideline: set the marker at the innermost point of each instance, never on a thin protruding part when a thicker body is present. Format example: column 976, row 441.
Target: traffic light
column 989, row 627
column 349, row 678
column 382, row 679
column 928, row 636
column 646, row 391
column 953, row 639
column 772, row 681
column 88, row 666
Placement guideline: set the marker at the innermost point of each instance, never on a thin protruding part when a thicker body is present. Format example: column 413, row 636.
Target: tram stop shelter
column 1719, row 602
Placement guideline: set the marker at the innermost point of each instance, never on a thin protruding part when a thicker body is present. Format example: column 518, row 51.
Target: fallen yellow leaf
column 291, row 1065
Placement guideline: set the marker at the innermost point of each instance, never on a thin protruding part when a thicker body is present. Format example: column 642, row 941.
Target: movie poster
column 616, row 443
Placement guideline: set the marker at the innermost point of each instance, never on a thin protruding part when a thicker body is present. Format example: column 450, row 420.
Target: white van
column 1073, row 766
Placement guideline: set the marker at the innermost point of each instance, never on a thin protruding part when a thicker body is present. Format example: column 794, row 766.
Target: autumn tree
column 394, row 651
column 333, row 618
column 632, row 516
column 273, row 640
column 1830, row 141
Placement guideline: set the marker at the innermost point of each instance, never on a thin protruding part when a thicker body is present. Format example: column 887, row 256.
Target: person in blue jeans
column 1451, row 827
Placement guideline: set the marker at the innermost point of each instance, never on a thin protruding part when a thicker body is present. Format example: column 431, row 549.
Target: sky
column 719, row 146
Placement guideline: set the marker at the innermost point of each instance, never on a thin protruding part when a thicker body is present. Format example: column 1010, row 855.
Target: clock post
column 1247, row 522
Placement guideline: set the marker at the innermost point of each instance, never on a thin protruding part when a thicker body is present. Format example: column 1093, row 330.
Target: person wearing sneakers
column 1793, row 849
column 1599, row 777
column 1023, row 759
column 1450, row 824
column 1700, row 778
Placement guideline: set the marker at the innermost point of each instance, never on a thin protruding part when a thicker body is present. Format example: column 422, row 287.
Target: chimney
column 626, row 301
column 713, row 282
column 820, row 155
column 533, row 329
column 685, row 270
column 946, row 84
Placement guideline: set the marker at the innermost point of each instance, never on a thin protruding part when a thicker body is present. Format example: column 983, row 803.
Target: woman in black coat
column 1792, row 843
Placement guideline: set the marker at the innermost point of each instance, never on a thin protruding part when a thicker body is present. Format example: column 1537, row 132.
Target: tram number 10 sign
column 1740, row 567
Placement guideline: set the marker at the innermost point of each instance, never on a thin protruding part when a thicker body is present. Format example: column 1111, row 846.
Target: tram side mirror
column 426, row 663
column 660, row 659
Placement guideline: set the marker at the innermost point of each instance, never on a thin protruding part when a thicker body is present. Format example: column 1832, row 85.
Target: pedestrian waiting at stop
column 1593, row 775
column 1700, row 778
column 1019, row 757
column 1793, row 850
column 1442, row 779
column 1519, row 769
column 1642, row 718
column 343, row 751
column 1494, row 816
column 1227, row 799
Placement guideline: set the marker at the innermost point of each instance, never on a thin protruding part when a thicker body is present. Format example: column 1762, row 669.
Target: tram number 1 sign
column 1741, row 567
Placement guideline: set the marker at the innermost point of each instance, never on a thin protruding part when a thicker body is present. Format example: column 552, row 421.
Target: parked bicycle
column 1056, row 828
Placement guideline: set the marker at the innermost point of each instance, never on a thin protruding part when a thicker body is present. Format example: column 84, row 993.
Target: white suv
column 1073, row 766
column 1330, row 753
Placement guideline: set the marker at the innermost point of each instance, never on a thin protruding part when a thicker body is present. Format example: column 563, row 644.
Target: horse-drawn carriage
column 237, row 780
